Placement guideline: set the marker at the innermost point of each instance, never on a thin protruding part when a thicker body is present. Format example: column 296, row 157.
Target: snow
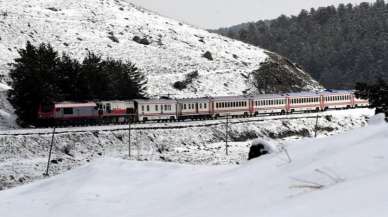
column 176, row 48
column 342, row 175
column 23, row 153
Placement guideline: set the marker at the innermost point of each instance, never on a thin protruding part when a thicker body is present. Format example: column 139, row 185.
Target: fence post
column 316, row 126
column 226, row 134
column 129, row 139
column 49, row 157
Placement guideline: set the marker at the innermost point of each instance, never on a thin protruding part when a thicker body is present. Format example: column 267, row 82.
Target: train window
column 184, row 106
column 68, row 111
column 205, row 105
column 165, row 107
column 200, row 105
column 142, row 108
column 156, row 107
column 189, row 106
column 192, row 106
column 148, row 108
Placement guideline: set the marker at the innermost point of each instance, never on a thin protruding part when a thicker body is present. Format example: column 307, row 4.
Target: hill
column 337, row 45
column 165, row 49
column 338, row 176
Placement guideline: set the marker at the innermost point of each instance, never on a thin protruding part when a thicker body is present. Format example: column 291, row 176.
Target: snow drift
column 337, row 176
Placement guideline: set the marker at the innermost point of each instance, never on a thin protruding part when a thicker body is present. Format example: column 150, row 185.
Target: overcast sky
column 221, row 13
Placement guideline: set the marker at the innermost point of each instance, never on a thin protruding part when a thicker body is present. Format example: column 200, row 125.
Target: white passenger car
column 194, row 108
column 231, row 105
column 268, row 104
column 156, row 109
column 305, row 101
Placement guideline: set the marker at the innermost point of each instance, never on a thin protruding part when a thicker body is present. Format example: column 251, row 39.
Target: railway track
column 160, row 126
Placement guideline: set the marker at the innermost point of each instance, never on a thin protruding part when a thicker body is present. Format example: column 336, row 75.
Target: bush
column 256, row 151
column 112, row 37
column 189, row 78
column 208, row 55
column 143, row 41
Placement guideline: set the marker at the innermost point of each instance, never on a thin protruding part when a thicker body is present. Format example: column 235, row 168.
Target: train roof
column 268, row 96
column 116, row 101
column 231, row 97
column 304, row 94
column 332, row 92
column 202, row 99
column 74, row 104
column 155, row 101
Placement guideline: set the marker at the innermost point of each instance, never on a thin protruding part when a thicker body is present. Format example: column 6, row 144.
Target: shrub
column 208, row 55
column 143, row 41
column 112, row 37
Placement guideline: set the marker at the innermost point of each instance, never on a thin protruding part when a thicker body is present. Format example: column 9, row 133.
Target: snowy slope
column 23, row 153
column 338, row 176
column 7, row 116
column 176, row 48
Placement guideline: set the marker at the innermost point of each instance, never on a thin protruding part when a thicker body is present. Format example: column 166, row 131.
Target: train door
column 196, row 108
column 322, row 102
column 288, row 104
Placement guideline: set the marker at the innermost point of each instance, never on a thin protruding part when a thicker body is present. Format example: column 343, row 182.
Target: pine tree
column 33, row 81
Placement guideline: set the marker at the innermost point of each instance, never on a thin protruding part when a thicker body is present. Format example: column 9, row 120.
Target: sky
column 212, row 14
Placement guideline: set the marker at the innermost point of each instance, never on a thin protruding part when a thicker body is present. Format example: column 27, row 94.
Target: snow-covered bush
column 259, row 147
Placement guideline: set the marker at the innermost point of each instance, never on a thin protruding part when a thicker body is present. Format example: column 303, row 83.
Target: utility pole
column 129, row 138
column 316, row 126
column 49, row 157
column 226, row 134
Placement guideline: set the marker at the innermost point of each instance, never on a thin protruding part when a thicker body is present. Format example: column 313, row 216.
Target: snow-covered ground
column 342, row 175
column 23, row 153
column 7, row 116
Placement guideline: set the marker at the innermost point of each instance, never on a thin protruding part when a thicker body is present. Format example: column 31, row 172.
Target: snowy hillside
column 108, row 27
column 7, row 116
column 338, row 176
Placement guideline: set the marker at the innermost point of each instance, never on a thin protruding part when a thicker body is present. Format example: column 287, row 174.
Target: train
column 167, row 109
